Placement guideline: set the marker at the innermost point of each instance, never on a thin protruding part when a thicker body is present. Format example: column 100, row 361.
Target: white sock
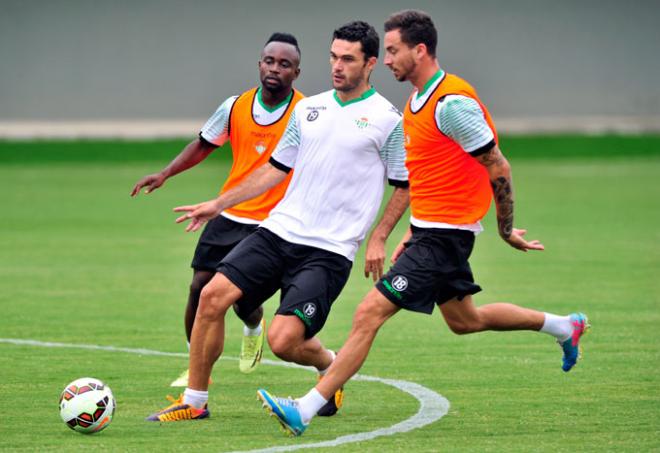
column 249, row 332
column 310, row 404
column 334, row 356
column 196, row 398
column 559, row 327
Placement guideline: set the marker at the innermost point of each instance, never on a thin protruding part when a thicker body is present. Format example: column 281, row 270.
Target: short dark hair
column 360, row 31
column 415, row 27
column 285, row 38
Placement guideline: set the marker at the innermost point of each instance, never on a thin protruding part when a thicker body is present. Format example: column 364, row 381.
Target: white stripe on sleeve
column 393, row 153
column 216, row 129
column 461, row 119
column 286, row 151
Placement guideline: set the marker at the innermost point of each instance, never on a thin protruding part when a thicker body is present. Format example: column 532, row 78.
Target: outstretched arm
column 259, row 181
column 499, row 172
column 195, row 152
column 375, row 254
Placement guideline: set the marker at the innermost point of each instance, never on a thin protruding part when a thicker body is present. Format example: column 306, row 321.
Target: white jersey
column 342, row 153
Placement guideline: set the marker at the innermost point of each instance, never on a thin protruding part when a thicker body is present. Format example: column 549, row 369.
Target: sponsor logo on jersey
column 362, row 122
column 313, row 115
column 263, row 134
column 407, row 138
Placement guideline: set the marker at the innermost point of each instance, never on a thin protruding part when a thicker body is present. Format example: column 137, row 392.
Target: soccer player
column 253, row 123
column 455, row 168
column 344, row 144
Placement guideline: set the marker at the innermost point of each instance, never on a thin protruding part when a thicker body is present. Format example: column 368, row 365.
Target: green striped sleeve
column 393, row 153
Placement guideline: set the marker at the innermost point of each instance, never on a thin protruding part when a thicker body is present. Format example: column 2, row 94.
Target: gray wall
column 124, row 59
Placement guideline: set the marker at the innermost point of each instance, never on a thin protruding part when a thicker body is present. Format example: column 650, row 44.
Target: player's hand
column 398, row 251
column 517, row 241
column 374, row 259
column 198, row 214
column 151, row 182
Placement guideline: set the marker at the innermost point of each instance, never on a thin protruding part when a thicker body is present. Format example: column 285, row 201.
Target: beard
column 273, row 86
column 348, row 83
column 404, row 71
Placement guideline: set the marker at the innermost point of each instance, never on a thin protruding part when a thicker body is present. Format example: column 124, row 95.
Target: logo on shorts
column 313, row 115
column 309, row 310
column 392, row 291
column 400, row 283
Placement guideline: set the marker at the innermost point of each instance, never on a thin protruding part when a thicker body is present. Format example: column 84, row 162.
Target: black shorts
column 219, row 237
column 310, row 278
column 433, row 269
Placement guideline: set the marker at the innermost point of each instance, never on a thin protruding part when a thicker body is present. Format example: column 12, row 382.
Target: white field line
column 149, row 129
column 432, row 405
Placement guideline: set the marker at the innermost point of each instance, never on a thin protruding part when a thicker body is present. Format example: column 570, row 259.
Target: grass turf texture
column 82, row 262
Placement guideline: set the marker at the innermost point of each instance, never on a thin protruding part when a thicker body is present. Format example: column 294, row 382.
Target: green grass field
column 83, row 263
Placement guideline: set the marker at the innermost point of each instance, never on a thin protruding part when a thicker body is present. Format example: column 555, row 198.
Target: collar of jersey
column 362, row 97
column 437, row 76
column 272, row 109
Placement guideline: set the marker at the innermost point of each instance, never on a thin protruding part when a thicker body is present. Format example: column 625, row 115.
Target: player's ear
column 419, row 51
column 297, row 73
column 372, row 62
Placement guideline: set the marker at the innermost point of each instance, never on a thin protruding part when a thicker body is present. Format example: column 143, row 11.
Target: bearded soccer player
column 455, row 168
column 253, row 123
column 344, row 145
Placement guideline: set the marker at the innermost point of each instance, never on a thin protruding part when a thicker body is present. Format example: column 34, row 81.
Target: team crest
column 309, row 310
column 260, row 147
column 362, row 122
column 400, row 283
column 313, row 115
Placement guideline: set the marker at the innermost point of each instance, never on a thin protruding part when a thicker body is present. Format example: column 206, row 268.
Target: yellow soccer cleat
column 252, row 348
column 179, row 411
column 182, row 380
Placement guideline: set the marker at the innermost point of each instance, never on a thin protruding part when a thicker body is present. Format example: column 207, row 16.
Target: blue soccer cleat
column 286, row 410
column 571, row 347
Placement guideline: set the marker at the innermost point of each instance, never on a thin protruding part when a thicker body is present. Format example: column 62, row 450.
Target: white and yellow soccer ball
column 87, row 405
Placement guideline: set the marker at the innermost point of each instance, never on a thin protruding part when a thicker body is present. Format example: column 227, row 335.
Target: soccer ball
column 87, row 405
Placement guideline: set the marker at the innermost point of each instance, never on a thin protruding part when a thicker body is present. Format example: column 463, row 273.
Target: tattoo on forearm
column 492, row 157
column 504, row 200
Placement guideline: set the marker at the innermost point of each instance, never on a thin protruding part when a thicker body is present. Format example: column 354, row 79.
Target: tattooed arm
column 499, row 172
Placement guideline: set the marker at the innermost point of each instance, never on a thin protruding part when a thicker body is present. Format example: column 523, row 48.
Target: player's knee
column 213, row 302
column 463, row 326
column 365, row 320
column 281, row 343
